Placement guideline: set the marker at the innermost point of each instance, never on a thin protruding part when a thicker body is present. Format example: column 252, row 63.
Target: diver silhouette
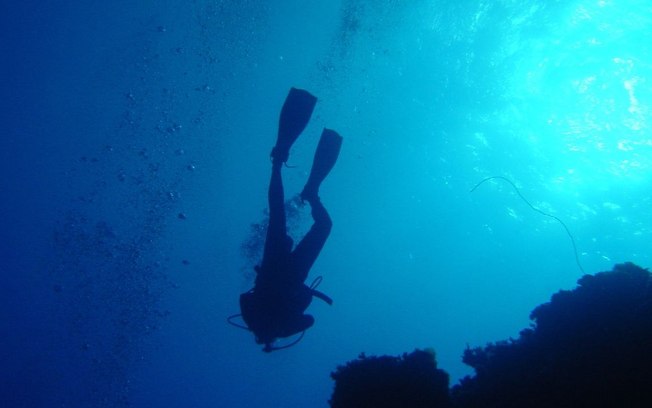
column 275, row 307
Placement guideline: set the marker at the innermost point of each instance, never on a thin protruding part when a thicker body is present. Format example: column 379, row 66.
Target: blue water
column 134, row 152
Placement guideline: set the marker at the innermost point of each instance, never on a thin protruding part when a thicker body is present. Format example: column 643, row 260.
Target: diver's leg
column 295, row 114
column 276, row 241
column 307, row 251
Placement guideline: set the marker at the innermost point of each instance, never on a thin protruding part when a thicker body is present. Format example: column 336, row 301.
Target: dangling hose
column 318, row 294
column 232, row 323
column 572, row 239
column 268, row 348
column 316, row 282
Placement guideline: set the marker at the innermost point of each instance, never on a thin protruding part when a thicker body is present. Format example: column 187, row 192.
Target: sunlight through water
column 581, row 90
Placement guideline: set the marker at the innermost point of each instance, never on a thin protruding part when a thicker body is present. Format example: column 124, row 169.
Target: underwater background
column 135, row 159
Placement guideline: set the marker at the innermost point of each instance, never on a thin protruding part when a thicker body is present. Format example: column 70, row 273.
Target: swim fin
column 326, row 155
column 295, row 114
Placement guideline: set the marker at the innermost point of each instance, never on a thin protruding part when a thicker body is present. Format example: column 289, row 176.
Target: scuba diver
column 275, row 307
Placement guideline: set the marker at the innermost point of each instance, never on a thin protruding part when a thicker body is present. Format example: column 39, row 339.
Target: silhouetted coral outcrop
column 589, row 347
column 412, row 380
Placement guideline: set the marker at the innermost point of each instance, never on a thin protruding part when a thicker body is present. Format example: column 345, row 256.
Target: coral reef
column 588, row 347
column 412, row 380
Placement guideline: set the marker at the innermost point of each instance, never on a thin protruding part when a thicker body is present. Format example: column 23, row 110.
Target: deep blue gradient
column 135, row 156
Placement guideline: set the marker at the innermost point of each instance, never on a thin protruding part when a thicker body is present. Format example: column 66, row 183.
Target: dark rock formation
column 412, row 380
